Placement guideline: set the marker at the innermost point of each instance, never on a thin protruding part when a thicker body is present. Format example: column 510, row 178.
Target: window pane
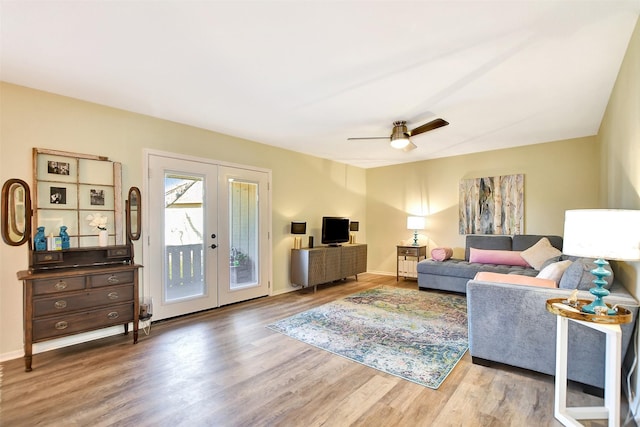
column 183, row 238
column 243, row 226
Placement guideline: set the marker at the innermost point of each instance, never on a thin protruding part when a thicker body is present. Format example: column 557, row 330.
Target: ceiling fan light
column 400, row 143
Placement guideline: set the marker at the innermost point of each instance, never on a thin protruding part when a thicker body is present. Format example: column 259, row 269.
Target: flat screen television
column 335, row 230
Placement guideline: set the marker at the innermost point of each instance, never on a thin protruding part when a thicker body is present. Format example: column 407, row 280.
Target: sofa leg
column 481, row 362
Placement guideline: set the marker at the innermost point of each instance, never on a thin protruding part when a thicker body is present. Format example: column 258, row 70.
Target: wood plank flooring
column 225, row 368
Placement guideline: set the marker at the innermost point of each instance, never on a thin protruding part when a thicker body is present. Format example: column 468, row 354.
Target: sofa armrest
column 509, row 324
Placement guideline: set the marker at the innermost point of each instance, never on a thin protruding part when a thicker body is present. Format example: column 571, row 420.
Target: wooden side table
column 407, row 260
column 610, row 326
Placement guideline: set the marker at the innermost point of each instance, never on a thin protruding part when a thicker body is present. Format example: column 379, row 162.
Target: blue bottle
column 40, row 240
column 64, row 237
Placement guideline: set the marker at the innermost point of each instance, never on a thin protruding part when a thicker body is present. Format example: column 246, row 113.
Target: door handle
column 213, row 246
column 213, row 236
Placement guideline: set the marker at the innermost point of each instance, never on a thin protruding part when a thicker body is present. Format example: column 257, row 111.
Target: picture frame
column 491, row 205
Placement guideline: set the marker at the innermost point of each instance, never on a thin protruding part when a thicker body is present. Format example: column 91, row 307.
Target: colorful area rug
column 416, row 335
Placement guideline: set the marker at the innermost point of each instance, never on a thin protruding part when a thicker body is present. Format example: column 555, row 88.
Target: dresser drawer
column 110, row 279
column 409, row 251
column 65, row 303
column 50, row 286
column 64, row 325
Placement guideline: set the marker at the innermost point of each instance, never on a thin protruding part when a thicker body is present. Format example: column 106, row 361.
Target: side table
column 407, row 260
column 610, row 326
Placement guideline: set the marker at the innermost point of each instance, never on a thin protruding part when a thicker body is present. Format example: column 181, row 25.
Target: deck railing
column 184, row 264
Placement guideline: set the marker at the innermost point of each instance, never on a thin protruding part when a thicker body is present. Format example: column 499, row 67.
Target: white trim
column 97, row 334
column 151, row 152
column 381, row 273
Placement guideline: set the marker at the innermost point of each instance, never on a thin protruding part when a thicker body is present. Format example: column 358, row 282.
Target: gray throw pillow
column 578, row 275
column 551, row 261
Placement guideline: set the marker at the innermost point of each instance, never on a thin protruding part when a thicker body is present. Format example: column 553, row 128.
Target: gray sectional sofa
column 453, row 274
column 509, row 323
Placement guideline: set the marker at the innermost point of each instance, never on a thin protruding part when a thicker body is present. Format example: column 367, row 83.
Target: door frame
column 267, row 263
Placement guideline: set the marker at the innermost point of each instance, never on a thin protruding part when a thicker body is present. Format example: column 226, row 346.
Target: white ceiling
column 306, row 75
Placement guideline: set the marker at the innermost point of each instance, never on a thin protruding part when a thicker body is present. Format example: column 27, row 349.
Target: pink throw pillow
column 488, row 256
column 441, row 254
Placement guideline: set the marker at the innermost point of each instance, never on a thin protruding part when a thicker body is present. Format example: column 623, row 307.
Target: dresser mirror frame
column 70, row 186
column 16, row 212
column 133, row 210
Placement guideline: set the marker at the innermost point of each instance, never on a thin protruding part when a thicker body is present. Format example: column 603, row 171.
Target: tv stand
column 324, row 264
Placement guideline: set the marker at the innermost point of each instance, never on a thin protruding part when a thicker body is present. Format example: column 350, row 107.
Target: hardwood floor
column 225, row 368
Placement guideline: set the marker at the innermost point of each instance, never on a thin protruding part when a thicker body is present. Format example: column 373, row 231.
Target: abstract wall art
column 492, row 205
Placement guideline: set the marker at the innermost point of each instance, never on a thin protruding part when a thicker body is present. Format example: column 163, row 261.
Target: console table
column 78, row 290
column 324, row 264
column 408, row 259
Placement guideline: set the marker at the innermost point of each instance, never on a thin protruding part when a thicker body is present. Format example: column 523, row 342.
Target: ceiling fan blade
column 434, row 124
column 410, row 147
column 368, row 137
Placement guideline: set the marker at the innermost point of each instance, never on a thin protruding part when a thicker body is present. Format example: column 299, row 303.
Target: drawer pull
column 60, row 304
column 61, row 325
column 113, row 315
column 113, row 295
column 47, row 258
column 113, row 279
column 61, row 285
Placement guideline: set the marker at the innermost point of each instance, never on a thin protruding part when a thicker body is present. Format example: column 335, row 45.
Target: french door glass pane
column 184, row 237
column 243, row 227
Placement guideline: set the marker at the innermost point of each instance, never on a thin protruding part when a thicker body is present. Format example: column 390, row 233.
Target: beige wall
column 620, row 140
column 558, row 176
column 304, row 187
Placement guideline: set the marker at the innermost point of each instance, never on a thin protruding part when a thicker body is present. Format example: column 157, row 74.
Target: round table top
column 561, row 307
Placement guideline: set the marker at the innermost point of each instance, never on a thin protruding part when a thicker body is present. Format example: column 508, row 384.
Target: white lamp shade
column 415, row 222
column 602, row 233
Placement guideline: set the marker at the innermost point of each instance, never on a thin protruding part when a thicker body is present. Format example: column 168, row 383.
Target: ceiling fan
column 400, row 136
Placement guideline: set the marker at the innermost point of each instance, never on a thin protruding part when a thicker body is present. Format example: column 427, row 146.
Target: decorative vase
column 64, row 237
column 40, row 240
column 103, row 238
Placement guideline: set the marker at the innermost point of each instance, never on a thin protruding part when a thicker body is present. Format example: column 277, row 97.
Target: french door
column 208, row 235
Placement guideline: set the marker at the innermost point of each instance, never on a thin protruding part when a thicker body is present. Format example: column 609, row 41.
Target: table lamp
column 298, row 228
column 353, row 226
column 612, row 234
column 415, row 223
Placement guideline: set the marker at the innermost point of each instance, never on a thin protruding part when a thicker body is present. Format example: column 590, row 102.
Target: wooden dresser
column 78, row 290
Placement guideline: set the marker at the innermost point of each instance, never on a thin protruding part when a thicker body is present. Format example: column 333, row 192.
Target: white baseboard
column 68, row 341
column 382, row 273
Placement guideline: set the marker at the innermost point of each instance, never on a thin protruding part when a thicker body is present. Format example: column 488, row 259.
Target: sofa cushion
column 467, row 270
column 537, row 254
column 515, row 279
column 554, row 271
column 553, row 260
column 578, row 275
column 523, row 242
column 489, row 256
column 481, row 241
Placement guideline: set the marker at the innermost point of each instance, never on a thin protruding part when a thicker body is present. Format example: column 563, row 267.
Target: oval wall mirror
column 16, row 212
column 134, row 216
